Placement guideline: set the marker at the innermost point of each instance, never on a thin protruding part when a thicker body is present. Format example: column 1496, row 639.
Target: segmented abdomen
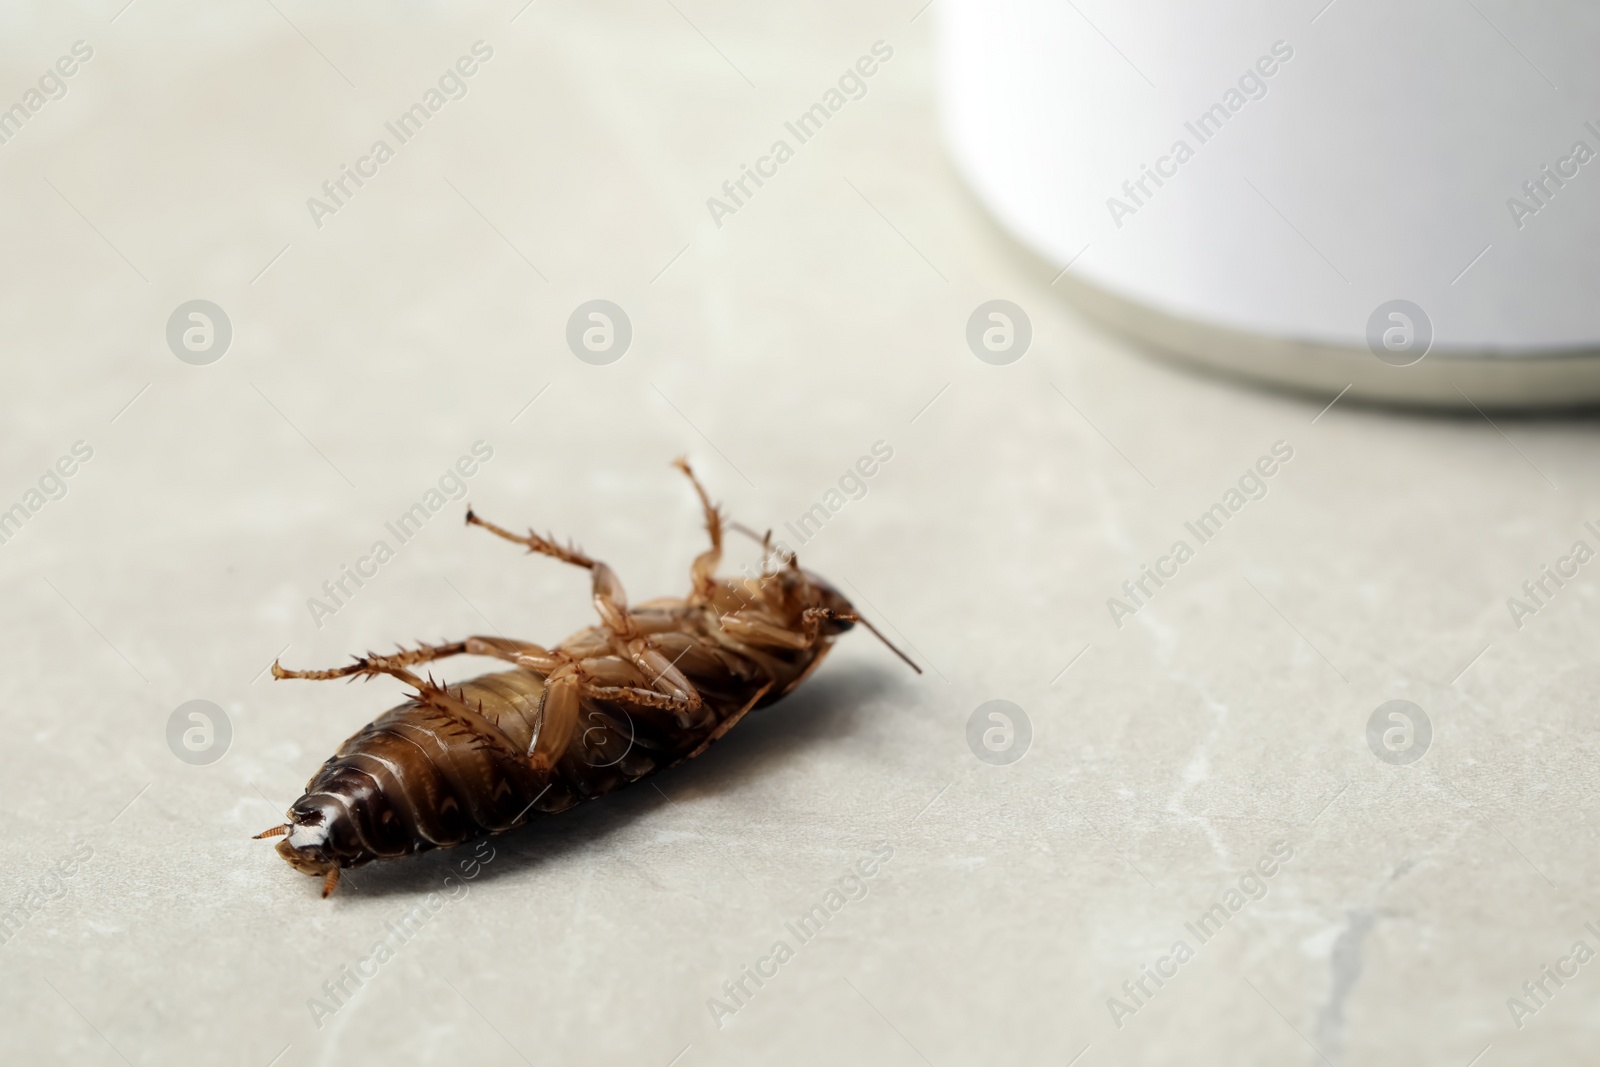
column 422, row 776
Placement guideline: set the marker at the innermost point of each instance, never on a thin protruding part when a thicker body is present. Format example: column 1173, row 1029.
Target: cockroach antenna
column 768, row 552
column 879, row 635
column 734, row 524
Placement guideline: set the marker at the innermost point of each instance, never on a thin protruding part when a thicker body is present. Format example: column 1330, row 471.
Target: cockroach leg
column 611, row 601
column 609, row 598
column 622, row 678
column 522, row 653
column 645, row 698
column 730, row 722
column 373, row 663
column 534, row 542
column 664, row 675
column 509, row 649
column 329, row 882
column 555, row 720
column 713, row 516
column 758, row 631
column 702, row 572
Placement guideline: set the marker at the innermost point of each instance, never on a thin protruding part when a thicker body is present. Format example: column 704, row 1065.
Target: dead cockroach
column 651, row 686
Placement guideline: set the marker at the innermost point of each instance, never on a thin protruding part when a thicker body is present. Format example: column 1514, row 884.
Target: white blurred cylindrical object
column 1248, row 186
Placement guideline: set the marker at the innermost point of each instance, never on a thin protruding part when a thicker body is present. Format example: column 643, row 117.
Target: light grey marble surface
column 1226, row 718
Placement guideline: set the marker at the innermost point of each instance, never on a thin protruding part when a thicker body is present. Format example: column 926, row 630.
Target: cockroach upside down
column 652, row 685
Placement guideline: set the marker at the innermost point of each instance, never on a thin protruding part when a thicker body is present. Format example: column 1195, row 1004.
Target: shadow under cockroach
column 831, row 708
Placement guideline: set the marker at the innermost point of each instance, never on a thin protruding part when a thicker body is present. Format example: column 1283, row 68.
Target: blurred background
column 231, row 368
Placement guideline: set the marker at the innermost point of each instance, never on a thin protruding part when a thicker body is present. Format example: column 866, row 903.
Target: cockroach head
column 824, row 595
column 841, row 614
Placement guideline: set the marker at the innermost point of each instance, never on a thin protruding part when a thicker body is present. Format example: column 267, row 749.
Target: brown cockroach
column 651, row 686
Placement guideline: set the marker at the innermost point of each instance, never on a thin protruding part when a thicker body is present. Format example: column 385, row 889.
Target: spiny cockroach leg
column 664, row 675
column 702, row 574
column 644, row 698
column 610, row 600
column 534, row 542
column 713, row 515
column 438, row 696
column 373, row 663
column 522, row 653
column 636, row 673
